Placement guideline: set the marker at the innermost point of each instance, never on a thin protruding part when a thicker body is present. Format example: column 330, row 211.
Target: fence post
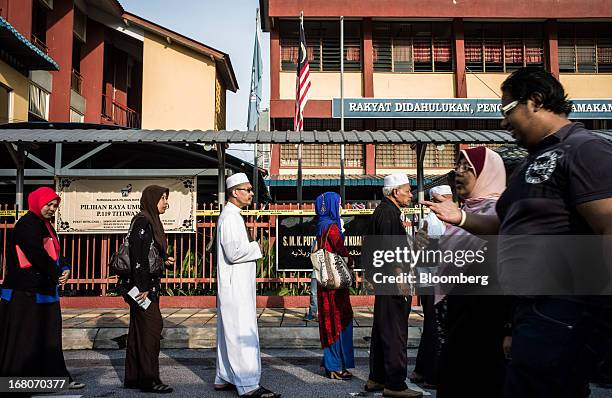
column 104, row 264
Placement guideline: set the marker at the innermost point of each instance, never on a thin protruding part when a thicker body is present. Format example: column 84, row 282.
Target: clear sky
column 228, row 26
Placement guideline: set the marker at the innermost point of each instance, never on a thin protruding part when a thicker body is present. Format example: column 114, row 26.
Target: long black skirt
column 31, row 338
column 432, row 339
column 472, row 362
column 143, row 346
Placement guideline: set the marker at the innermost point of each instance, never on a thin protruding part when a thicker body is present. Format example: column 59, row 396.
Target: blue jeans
column 312, row 310
column 549, row 356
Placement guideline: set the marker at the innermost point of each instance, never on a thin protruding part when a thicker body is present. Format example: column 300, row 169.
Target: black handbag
column 156, row 262
column 120, row 261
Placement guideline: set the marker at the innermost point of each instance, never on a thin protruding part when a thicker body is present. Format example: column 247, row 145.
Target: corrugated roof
column 277, row 137
column 333, row 180
column 20, row 52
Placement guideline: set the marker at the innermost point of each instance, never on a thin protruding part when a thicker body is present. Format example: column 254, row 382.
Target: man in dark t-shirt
column 563, row 190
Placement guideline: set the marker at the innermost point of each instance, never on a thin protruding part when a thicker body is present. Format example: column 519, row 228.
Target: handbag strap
column 324, row 241
column 129, row 230
column 316, row 243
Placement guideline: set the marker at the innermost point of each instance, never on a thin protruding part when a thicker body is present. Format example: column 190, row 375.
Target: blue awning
column 20, row 53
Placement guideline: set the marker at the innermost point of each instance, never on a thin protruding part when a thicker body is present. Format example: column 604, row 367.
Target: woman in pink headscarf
column 30, row 315
column 473, row 322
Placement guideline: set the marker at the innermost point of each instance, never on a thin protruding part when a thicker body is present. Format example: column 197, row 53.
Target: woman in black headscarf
column 148, row 247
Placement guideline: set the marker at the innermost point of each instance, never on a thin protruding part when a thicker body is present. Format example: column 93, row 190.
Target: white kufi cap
column 440, row 190
column 395, row 180
column 236, row 179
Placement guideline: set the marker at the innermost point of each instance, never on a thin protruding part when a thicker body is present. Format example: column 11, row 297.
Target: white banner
column 107, row 206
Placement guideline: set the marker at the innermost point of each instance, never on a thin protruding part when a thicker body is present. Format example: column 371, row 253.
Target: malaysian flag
column 302, row 82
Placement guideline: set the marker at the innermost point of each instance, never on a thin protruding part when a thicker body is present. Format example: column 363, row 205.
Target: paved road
column 295, row 373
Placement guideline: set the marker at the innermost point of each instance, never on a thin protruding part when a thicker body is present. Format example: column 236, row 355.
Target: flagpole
column 255, row 168
column 299, row 176
column 342, row 178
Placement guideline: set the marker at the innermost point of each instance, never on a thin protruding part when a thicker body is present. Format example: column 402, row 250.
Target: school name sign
column 451, row 108
column 108, row 205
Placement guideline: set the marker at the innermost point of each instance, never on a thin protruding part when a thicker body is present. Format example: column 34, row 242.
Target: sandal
column 337, row 375
column 159, row 389
column 346, row 373
column 416, row 378
column 262, row 392
column 225, row 387
column 75, row 385
column 372, row 386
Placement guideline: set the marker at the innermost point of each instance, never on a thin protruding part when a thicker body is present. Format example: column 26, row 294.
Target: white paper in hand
column 135, row 292
column 435, row 227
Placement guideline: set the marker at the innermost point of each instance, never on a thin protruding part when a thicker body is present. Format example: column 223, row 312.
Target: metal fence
column 194, row 272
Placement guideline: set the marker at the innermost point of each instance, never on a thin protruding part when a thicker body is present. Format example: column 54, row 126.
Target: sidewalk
column 196, row 328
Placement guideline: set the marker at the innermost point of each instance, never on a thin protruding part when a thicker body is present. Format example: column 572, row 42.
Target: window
column 503, row 47
column 5, row 105
column 404, row 156
column 80, row 25
column 412, row 47
column 391, row 156
column 39, row 26
column 76, row 79
column 39, row 102
column 47, row 3
column 323, row 45
column 483, row 124
column 440, row 156
column 317, row 155
column 76, row 117
column 585, row 48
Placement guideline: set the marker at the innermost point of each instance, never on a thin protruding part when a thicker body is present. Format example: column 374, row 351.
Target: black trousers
column 388, row 357
column 550, row 356
column 143, row 346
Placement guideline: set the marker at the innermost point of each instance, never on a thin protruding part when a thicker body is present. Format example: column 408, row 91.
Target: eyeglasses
column 406, row 191
column 245, row 189
column 505, row 110
column 463, row 168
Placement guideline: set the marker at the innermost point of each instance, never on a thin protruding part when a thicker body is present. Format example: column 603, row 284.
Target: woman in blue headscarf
column 335, row 311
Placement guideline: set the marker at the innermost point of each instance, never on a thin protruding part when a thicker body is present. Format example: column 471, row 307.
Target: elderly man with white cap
column 388, row 357
column 434, row 227
column 238, row 358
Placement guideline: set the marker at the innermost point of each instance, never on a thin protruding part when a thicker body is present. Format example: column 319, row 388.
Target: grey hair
column 387, row 191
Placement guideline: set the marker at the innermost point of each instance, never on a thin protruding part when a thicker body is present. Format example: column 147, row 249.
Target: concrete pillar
column 60, row 23
column 552, row 48
column 19, row 14
column 92, row 70
column 459, row 55
column 275, row 63
column 368, row 87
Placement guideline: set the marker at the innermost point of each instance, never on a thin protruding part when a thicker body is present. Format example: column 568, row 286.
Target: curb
column 198, row 337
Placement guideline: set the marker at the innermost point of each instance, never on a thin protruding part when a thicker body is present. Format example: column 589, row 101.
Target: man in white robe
column 238, row 358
